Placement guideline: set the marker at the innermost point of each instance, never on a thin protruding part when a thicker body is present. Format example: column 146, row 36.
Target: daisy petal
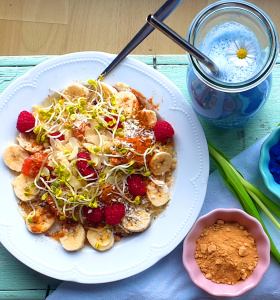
column 249, row 60
column 237, row 43
column 248, row 46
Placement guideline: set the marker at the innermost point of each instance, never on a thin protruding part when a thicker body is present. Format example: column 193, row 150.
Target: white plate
column 136, row 253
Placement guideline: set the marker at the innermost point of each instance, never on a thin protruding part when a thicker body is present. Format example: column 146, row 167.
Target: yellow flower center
column 241, row 53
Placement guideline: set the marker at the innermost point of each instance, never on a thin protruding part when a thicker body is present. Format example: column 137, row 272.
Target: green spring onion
column 250, row 198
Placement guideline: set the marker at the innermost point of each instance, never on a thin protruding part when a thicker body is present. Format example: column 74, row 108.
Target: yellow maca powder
column 226, row 252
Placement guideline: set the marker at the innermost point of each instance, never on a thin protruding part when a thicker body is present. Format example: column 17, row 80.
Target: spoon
column 183, row 43
column 162, row 13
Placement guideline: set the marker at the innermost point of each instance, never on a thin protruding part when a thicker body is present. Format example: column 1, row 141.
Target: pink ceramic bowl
column 254, row 228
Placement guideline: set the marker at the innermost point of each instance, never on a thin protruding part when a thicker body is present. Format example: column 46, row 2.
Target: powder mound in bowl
column 226, row 252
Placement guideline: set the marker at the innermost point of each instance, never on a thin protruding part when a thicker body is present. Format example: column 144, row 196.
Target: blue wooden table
column 20, row 282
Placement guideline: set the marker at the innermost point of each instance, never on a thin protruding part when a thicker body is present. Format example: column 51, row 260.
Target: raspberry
column 163, row 130
column 32, row 164
column 108, row 119
column 25, row 122
column 113, row 214
column 84, row 168
column 135, row 185
column 93, row 215
column 61, row 138
column 82, row 163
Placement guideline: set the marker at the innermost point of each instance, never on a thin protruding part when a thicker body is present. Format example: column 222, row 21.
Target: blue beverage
column 243, row 43
column 227, row 110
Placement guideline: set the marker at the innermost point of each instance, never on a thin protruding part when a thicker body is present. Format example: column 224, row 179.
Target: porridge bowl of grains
column 226, row 253
column 82, row 168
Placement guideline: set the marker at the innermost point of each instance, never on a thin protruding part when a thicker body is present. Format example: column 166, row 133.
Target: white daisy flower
column 241, row 53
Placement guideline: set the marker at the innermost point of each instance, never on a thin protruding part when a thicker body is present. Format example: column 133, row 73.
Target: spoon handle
column 162, row 13
column 183, row 43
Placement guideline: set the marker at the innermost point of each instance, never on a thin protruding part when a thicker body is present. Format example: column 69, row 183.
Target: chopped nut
column 208, row 275
column 218, row 261
column 221, row 222
column 212, row 248
column 243, row 251
column 203, row 248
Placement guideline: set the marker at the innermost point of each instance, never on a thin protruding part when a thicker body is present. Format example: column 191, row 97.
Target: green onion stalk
column 250, row 198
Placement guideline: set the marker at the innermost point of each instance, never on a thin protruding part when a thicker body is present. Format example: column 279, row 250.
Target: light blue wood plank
column 9, row 74
column 22, row 61
column 17, row 276
column 147, row 59
column 23, row 295
column 177, row 74
column 171, row 60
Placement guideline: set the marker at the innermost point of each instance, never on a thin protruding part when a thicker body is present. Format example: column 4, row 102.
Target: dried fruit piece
column 33, row 164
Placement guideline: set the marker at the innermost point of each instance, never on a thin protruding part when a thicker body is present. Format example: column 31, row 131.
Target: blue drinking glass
column 231, row 104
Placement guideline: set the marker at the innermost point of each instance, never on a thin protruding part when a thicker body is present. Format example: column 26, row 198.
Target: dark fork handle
column 162, row 13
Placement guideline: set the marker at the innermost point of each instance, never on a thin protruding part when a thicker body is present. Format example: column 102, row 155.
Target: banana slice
column 74, row 238
column 122, row 86
column 138, row 222
column 147, row 118
column 41, row 222
column 158, row 194
column 23, row 189
column 28, row 142
column 108, row 90
column 14, row 157
column 128, row 102
column 101, row 240
column 76, row 90
column 166, row 148
column 160, row 163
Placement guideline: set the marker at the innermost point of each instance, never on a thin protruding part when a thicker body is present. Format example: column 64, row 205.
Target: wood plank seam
column 48, row 291
column 155, row 62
